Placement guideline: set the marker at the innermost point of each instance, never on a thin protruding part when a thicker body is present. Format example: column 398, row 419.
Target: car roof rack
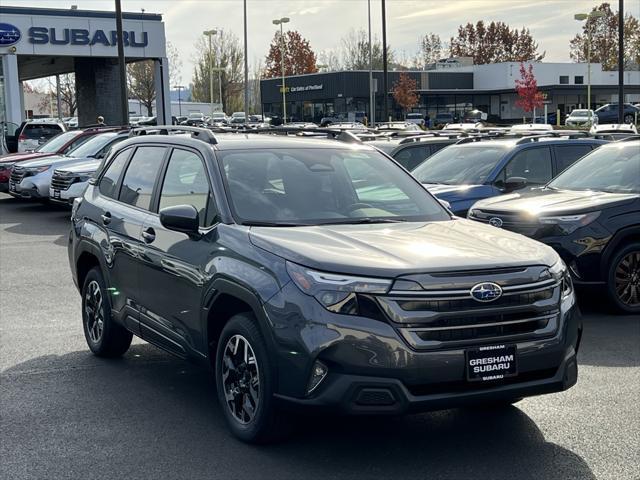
column 198, row 133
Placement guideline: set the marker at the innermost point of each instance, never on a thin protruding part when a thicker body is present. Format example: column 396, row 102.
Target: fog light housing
column 318, row 373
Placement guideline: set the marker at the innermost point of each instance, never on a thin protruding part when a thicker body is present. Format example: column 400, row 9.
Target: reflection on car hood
column 56, row 161
column 81, row 165
column 439, row 189
column 395, row 249
column 21, row 157
column 553, row 202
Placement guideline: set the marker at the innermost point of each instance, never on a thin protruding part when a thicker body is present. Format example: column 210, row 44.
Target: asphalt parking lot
column 67, row 414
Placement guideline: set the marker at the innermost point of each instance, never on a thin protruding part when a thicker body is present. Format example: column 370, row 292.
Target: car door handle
column 149, row 235
column 106, row 218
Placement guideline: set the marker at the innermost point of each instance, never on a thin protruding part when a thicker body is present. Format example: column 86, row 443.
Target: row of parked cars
column 308, row 267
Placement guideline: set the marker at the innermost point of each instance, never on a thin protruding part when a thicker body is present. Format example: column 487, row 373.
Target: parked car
column 195, row 119
column 617, row 131
column 413, row 151
column 416, row 118
column 61, row 144
column 609, row 113
column 33, row 133
column 477, row 167
column 69, row 182
column 32, row 179
column 474, row 116
column 442, row 118
column 590, row 214
column 551, row 119
column 581, row 118
column 316, row 273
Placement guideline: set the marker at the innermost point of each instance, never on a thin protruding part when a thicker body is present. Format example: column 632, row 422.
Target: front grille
column 518, row 223
column 440, row 316
column 17, row 175
column 62, row 180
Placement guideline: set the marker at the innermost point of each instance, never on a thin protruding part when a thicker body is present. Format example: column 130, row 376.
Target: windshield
column 92, row 146
column 56, row 143
column 580, row 113
column 614, row 169
column 320, row 186
column 460, row 164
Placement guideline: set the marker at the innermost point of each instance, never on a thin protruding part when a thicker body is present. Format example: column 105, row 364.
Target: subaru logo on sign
column 9, row 34
column 486, row 292
column 496, row 222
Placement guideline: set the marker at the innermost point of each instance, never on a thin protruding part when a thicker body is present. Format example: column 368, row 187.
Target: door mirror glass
column 180, row 218
column 515, row 183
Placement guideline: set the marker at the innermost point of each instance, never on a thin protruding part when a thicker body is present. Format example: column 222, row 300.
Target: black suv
column 590, row 214
column 316, row 273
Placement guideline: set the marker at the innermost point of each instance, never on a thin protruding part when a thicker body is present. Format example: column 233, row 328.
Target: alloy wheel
column 93, row 311
column 627, row 279
column 240, row 379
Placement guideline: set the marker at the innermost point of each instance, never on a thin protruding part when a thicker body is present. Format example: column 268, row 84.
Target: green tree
column 141, row 83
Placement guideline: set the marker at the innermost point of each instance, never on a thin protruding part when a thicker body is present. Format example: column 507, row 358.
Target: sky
column 325, row 22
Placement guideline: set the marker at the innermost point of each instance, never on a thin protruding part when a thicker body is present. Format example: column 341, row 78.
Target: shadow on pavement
column 150, row 416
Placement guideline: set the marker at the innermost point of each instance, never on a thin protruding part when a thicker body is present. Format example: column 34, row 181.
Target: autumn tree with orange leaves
column 404, row 92
column 299, row 58
column 529, row 98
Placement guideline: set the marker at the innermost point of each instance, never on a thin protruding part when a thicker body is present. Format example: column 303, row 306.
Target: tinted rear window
column 35, row 131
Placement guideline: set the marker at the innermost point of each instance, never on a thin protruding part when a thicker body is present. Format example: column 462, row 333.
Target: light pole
column 179, row 87
column 372, row 105
column 582, row 17
column 210, row 33
column 281, row 21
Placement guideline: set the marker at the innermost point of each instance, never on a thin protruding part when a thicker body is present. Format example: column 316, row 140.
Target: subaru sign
column 82, row 36
column 486, row 292
column 9, row 34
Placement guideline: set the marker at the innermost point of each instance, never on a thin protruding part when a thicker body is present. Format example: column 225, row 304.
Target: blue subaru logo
column 9, row 34
column 486, row 292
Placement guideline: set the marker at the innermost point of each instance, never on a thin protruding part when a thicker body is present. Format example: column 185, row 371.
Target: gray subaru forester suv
column 311, row 272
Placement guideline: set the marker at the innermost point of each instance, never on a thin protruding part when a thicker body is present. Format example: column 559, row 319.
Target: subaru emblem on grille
column 486, row 292
column 495, row 221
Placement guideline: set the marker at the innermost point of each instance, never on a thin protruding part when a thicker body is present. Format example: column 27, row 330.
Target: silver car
column 70, row 182
column 32, row 179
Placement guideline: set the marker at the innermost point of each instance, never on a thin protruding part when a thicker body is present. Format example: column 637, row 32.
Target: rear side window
column 137, row 185
column 411, row 157
column 566, row 155
column 534, row 164
column 109, row 181
column 185, row 183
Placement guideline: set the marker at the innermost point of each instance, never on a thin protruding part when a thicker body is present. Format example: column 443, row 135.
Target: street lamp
column 581, row 17
column 210, row 33
column 179, row 88
column 281, row 21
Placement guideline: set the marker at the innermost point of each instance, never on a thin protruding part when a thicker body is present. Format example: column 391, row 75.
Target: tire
column 623, row 279
column 260, row 421
column 104, row 336
column 628, row 118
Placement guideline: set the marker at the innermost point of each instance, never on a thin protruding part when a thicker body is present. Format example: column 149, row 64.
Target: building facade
column 43, row 42
column 489, row 88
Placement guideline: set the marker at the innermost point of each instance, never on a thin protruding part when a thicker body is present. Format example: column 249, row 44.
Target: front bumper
column 373, row 370
column 67, row 196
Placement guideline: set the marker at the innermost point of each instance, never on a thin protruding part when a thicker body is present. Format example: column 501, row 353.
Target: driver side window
column 533, row 164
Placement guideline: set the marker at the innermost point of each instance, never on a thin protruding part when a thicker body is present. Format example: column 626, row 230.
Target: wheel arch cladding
column 86, row 261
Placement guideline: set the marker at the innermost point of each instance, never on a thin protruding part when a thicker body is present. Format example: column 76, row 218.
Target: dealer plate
column 492, row 362
column 12, row 187
column 56, row 194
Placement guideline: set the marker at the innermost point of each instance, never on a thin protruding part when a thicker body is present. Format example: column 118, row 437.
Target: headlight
column 84, row 176
column 36, row 170
column 560, row 272
column 336, row 292
column 570, row 223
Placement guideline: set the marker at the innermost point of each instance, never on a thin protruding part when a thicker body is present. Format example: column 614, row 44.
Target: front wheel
column 104, row 336
column 245, row 381
column 628, row 118
column 624, row 278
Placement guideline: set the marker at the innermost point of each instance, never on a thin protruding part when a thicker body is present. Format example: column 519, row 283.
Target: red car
column 58, row 145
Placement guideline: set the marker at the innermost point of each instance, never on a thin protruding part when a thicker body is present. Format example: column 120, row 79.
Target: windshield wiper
column 356, row 221
column 274, row 224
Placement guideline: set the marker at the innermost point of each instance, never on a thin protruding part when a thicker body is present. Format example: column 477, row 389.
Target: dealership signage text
column 81, row 36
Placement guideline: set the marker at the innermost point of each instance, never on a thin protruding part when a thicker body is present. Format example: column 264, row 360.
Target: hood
column 554, row 201
column 389, row 250
column 81, row 165
column 21, row 157
column 56, row 161
column 456, row 193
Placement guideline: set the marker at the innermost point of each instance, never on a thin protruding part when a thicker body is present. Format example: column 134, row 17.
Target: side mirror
column 181, row 218
column 515, row 183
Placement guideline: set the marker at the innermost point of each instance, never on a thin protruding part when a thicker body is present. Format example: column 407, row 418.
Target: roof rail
column 630, row 138
column 199, row 133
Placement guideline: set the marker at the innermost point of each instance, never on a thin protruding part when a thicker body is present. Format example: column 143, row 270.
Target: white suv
column 33, row 133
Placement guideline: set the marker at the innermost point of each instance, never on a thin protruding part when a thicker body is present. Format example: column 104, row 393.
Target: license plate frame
column 491, row 362
column 56, row 194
